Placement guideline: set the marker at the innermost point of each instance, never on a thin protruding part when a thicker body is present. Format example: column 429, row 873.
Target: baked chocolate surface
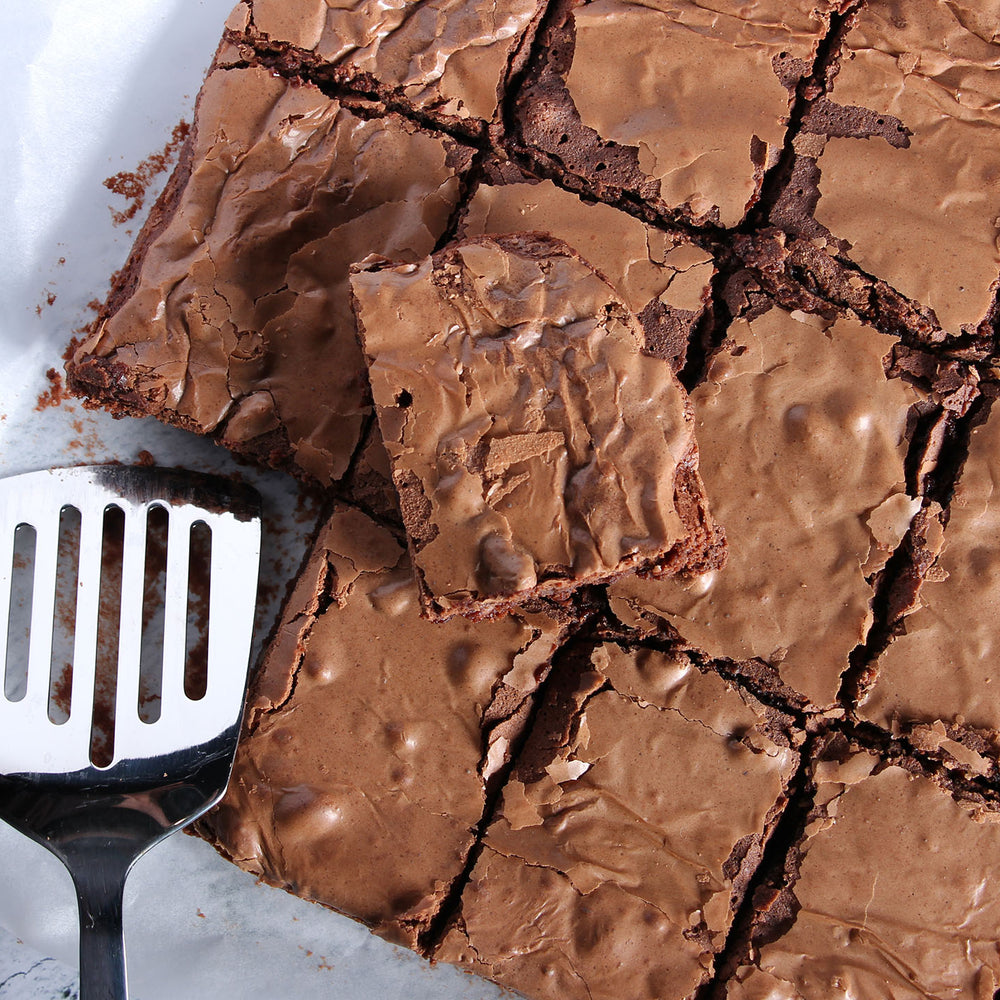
column 440, row 56
column 891, row 894
column 776, row 176
column 534, row 445
column 663, row 279
column 236, row 321
column 694, row 113
column 613, row 867
column 818, row 506
column 370, row 735
column 930, row 68
column 956, row 624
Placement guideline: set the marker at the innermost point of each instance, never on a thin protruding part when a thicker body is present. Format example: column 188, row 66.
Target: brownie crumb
column 133, row 184
column 54, row 394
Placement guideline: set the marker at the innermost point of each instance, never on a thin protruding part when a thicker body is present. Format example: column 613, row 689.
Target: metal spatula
column 98, row 792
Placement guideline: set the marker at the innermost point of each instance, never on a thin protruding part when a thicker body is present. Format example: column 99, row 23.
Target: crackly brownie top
column 892, row 896
column 663, row 279
column 958, row 622
column 531, row 439
column 435, row 53
column 614, row 865
column 694, row 87
column 239, row 322
column 369, row 735
column 817, row 506
column 931, row 67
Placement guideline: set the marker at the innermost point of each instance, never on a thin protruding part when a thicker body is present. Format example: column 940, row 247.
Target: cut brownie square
column 534, row 446
column 926, row 72
column 683, row 105
column 437, row 55
column 626, row 837
column 232, row 316
column 816, row 507
column 889, row 895
column 662, row 279
column 371, row 734
column 957, row 624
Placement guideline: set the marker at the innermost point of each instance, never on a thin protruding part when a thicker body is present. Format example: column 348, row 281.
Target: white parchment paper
column 92, row 87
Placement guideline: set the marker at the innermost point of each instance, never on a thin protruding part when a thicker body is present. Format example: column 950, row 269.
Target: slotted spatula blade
column 99, row 817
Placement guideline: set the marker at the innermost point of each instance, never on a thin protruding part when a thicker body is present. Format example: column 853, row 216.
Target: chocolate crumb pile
column 647, row 354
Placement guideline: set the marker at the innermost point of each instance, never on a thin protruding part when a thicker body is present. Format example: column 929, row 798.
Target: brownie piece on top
column 626, row 836
column 661, row 278
column 928, row 71
column 887, row 896
column 535, row 447
column 683, row 105
column 815, row 508
column 936, row 681
column 371, row 734
column 439, row 56
column 232, row 316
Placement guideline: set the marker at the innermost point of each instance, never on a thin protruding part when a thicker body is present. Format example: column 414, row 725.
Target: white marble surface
column 26, row 974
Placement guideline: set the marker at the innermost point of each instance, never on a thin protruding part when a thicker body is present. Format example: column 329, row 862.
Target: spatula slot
column 198, row 606
column 22, row 579
column 153, row 600
column 102, row 733
column 64, row 615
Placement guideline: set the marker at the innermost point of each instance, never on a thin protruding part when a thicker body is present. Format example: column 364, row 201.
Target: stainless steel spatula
column 98, row 777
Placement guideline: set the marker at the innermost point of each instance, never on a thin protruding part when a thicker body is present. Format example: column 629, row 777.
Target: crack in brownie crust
column 346, row 755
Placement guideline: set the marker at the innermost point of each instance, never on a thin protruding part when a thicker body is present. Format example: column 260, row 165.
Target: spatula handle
column 99, row 891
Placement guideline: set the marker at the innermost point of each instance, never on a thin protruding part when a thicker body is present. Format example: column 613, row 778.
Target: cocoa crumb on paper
column 49, row 300
column 133, row 184
column 54, row 395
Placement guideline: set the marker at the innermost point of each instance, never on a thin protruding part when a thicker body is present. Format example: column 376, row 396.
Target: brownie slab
column 931, row 67
column 681, row 104
column 626, row 835
column 815, row 509
column 232, row 317
column 370, row 735
column 534, row 446
column 891, row 896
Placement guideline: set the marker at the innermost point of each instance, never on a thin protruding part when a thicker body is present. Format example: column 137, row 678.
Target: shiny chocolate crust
column 662, row 279
column 681, row 105
column 370, row 735
column 891, row 895
column 956, row 623
column 818, row 505
column 441, row 57
column 235, row 320
column 929, row 68
column 534, row 446
column 614, row 866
